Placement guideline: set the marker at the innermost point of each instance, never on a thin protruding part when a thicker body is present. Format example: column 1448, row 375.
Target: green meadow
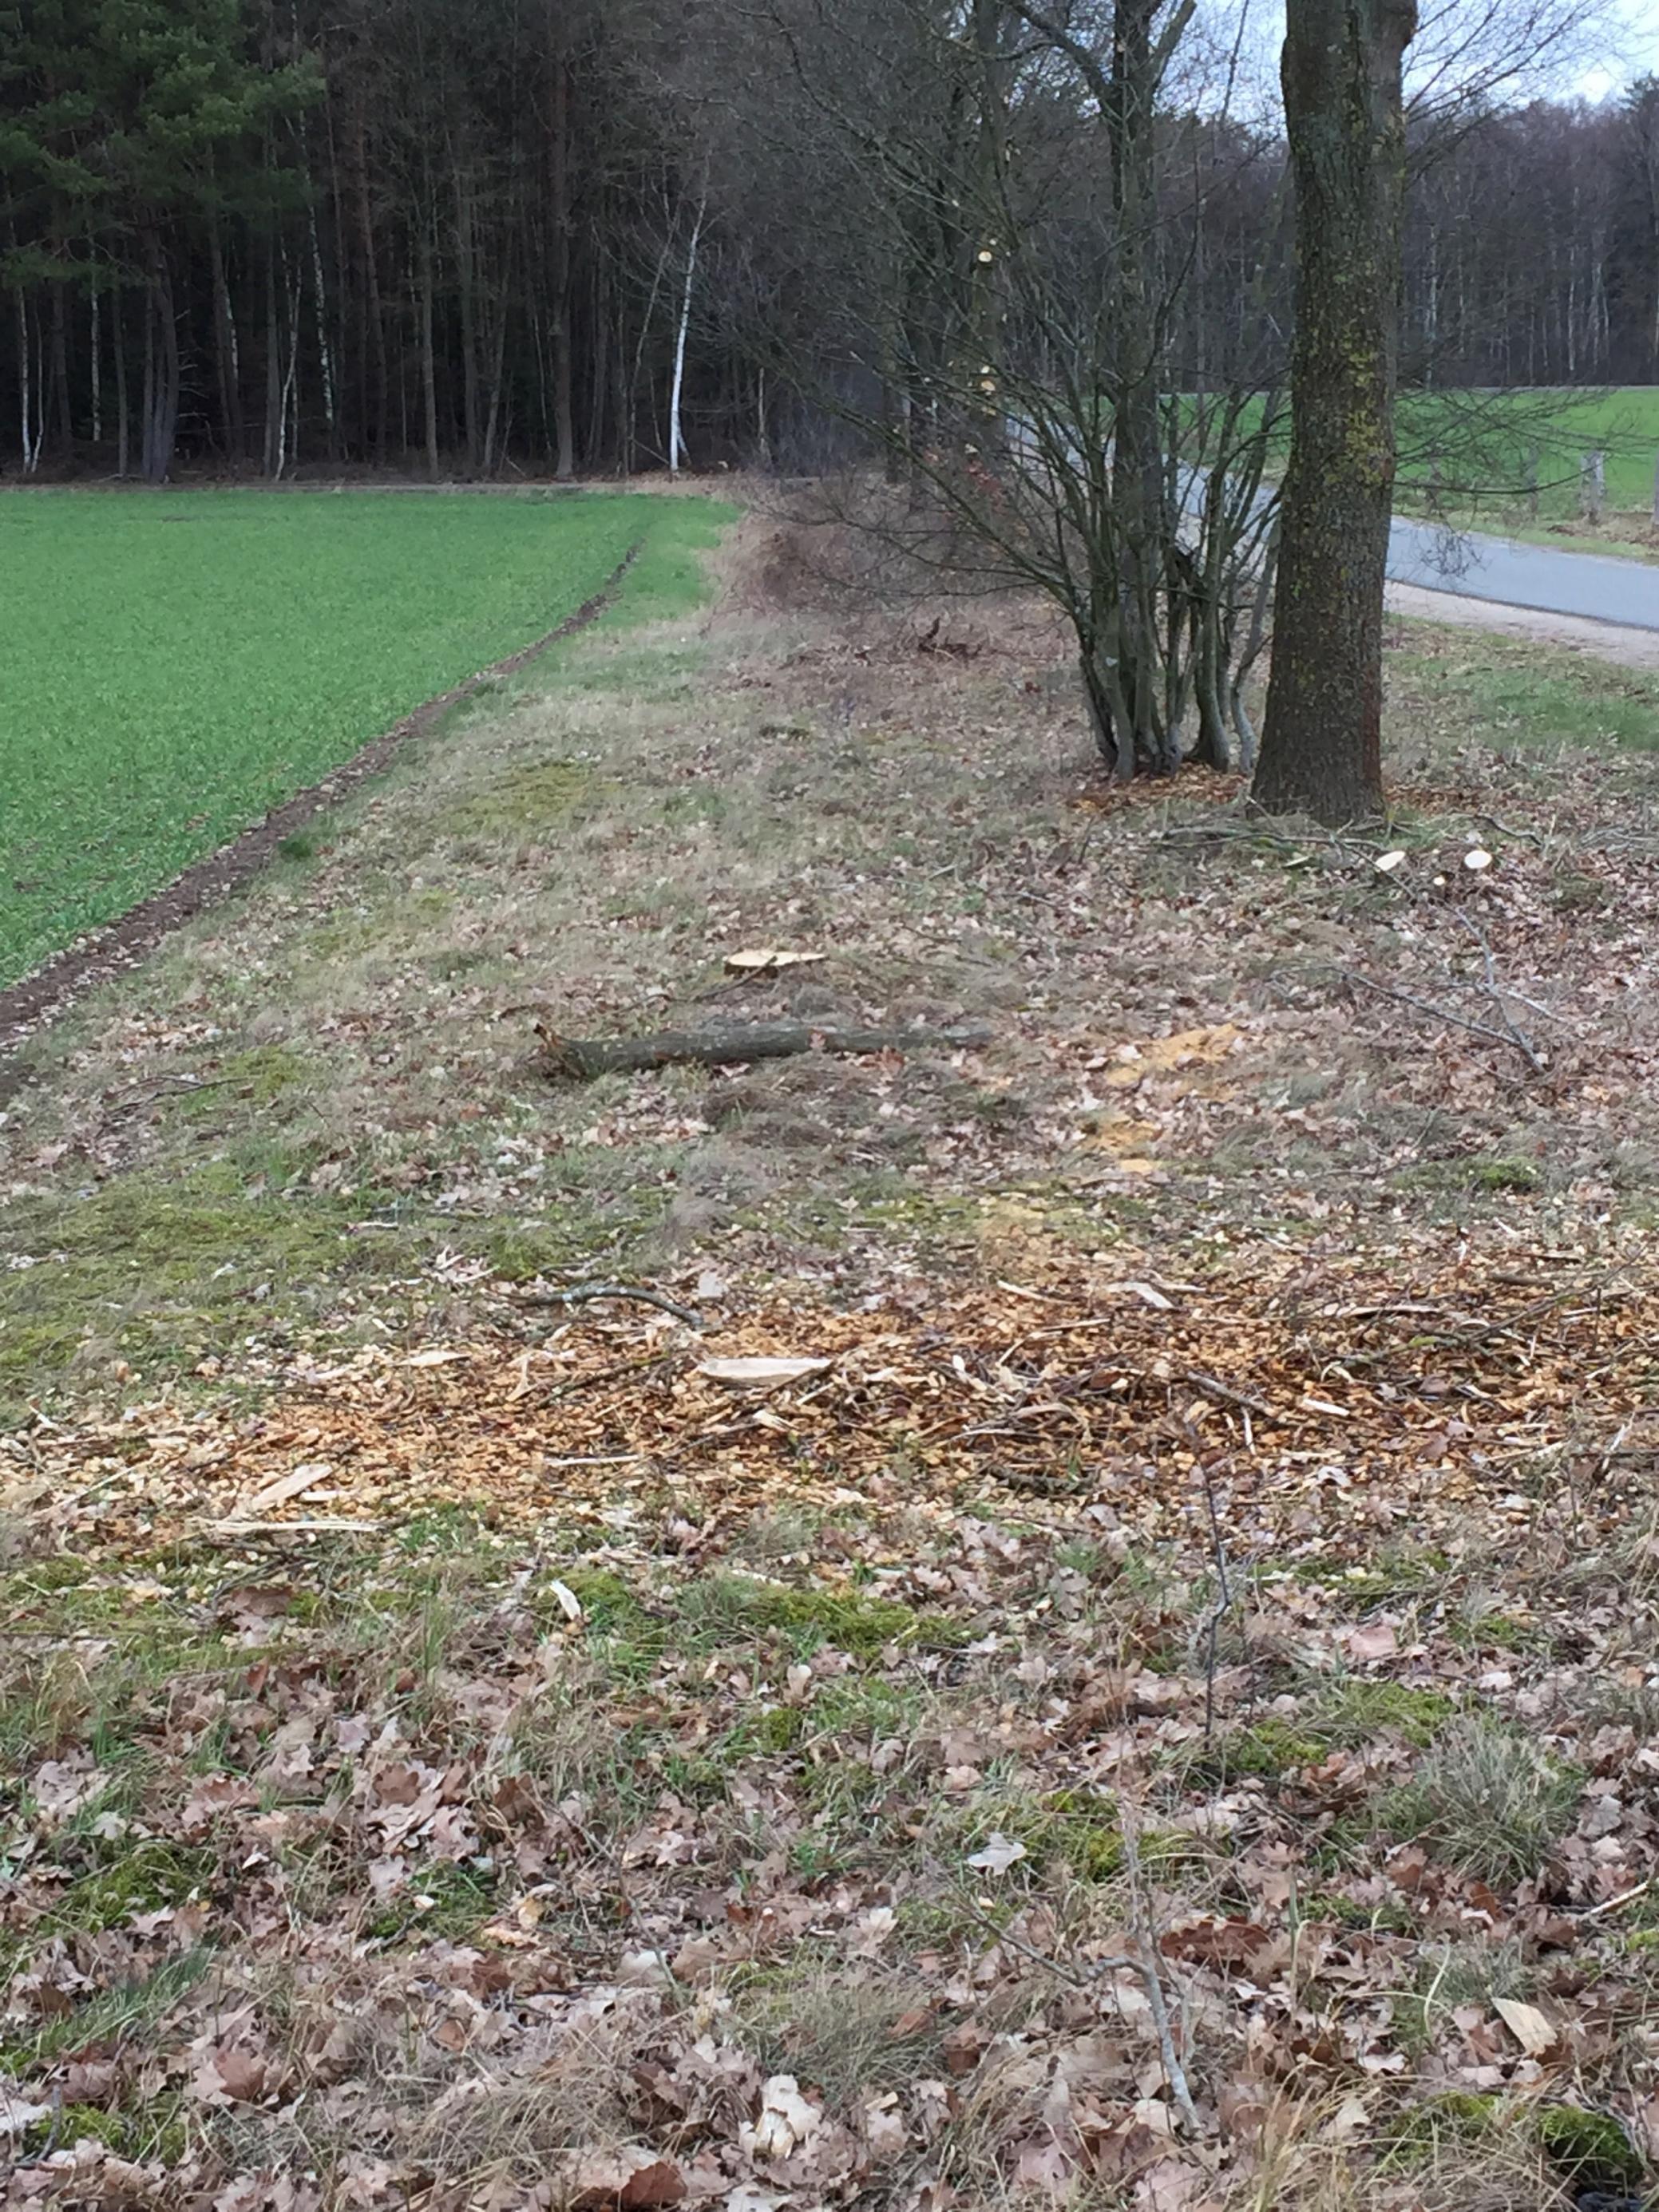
column 1482, row 446
column 172, row 666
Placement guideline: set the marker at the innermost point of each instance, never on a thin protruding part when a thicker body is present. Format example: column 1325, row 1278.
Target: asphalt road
column 1592, row 586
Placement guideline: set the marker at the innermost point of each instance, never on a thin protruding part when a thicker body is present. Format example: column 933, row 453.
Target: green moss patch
column 1424, row 2134
column 142, row 1877
column 727, row 1607
column 143, row 1270
column 1353, row 1712
column 522, row 802
column 1590, row 2149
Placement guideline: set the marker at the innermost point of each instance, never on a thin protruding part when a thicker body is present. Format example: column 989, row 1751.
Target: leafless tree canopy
column 400, row 233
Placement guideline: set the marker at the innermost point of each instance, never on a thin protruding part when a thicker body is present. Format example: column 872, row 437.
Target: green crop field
column 173, row 665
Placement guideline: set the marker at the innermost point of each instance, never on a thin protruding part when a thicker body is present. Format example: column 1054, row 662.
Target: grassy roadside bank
column 462, row 1751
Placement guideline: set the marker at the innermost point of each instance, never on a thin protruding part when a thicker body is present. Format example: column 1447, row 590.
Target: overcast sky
column 1617, row 42
column 1640, row 40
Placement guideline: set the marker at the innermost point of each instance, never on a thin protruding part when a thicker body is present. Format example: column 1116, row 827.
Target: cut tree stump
column 579, row 1060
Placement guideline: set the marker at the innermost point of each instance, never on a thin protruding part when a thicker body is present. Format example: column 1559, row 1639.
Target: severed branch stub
column 579, row 1060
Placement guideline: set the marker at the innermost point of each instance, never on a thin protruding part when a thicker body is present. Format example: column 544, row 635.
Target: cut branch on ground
column 581, row 1059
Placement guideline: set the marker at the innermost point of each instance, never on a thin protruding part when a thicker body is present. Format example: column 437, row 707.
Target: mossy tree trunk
column 1322, row 749
column 1138, row 457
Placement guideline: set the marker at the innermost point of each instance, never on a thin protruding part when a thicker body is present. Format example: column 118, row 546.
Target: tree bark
column 376, row 404
column 429, row 370
column 273, row 438
column 466, row 272
column 162, row 431
column 1136, row 742
column 95, row 361
column 225, row 351
column 31, row 444
column 123, row 408
column 1322, row 749
column 559, row 225
column 676, row 439
column 147, row 403
column 63, row 415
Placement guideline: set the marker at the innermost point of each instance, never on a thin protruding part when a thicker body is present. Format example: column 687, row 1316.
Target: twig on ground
column 168, row 1086
column 1220, row 1609
column 314, row 1526
column 583, row 1292
column 579, row 1382
column 1511, row 829
column 599, row 1459
column 1462, row 1339
column 1115, row 1962
column 1348, row 849
column 1534, row 1006
column 1151, row 1967
column 1495, row 992
column 59, row 1506
column 1613, row 1903
column 1144, row 1963
column 1611, row 1452
column 1212, row 1388
column 47, row 2150
column 1428, row 1006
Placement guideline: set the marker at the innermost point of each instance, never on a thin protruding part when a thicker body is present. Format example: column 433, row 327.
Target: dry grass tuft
column 1486, row 1799
column 848, row 2038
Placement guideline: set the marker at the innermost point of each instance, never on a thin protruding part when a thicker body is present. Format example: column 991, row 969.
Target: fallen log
column 579, row 1060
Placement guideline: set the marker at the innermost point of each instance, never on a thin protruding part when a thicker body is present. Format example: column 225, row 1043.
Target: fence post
column 1534, row 462
column 1592, row 484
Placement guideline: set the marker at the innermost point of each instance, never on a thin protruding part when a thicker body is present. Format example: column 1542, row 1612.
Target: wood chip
column 284, row 1491
column 761, row 1374
column 766, row 960
column 1533, row 2029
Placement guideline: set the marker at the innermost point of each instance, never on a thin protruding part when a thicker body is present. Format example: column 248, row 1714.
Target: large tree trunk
column 95, row 359
column 676, row 434
column 580, row 1060
column 63, row 415
column 31, row 441
column 1321, row 750
column 147, row 406
column 324, row 347
column 1136, row 741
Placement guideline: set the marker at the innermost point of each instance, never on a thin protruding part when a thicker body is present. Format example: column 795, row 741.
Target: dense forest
column 537, row 236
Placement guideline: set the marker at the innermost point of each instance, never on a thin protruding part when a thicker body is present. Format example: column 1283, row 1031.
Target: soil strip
column 120, row 944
